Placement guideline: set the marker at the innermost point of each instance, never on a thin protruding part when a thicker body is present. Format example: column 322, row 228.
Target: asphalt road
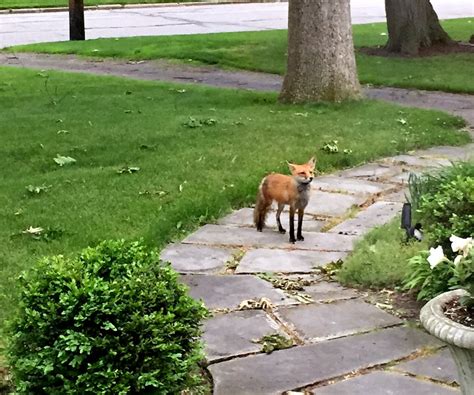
column 36, row 27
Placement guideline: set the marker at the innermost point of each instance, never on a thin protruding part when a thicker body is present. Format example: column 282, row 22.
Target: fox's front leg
column 292, row 225
column 299, row 234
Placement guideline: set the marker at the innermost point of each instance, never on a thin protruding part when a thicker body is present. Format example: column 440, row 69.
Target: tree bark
column 76, row 20
column 321, row 62
column 412, row 24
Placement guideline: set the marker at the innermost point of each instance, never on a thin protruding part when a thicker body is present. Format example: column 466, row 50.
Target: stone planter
column 459, row 338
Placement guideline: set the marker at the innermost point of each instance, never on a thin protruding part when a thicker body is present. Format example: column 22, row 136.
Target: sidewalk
column 171, row 19
column 342, row 343
column 163, row 70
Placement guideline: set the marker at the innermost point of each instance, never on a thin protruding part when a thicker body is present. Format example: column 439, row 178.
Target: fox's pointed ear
column 291, row 166
column 312, row 162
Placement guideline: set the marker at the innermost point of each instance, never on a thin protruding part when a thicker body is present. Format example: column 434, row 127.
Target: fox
column 291, row 190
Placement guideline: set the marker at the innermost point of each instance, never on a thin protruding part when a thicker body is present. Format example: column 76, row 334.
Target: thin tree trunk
column 412, row 24
column 321, row 62
column 76, row 20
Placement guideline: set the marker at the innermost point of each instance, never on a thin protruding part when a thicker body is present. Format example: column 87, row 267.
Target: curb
column 131, row 6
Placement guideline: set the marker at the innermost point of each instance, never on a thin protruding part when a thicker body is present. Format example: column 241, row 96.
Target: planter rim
column 440, row 326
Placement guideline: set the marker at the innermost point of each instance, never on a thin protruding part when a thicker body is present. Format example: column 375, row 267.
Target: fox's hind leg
column 280, row 209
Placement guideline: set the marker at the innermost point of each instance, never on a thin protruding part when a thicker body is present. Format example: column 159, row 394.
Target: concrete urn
column 459, row 338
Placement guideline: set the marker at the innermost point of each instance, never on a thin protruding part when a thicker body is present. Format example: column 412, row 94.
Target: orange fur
column 285, row 190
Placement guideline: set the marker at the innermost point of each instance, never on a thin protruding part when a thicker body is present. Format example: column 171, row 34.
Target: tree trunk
column 76, row 20
column 321, row 62
column 412, row 24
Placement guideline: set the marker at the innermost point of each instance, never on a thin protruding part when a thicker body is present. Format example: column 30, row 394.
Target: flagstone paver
column 401, row 178
column 231, row 236
column 384, row 383
column 285, row 261
column 377, row 214
column 332, row 204
column 453, row 153
column 219, row 292
column 234, row 334
column 371, row 171
column 399, row 196
column 349, row 185
column 244, row 217
column 439, row 366
column 330, row 320
column 418, row 161
column 187, row 258
column 304, row 365
column 329, row 291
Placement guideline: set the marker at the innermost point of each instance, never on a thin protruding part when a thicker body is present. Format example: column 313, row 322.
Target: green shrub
column 115, row 320
column 431, row 273
column 444, row 202
column 380, row 259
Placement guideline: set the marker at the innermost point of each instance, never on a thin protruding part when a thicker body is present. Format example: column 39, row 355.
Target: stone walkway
column 341, row 343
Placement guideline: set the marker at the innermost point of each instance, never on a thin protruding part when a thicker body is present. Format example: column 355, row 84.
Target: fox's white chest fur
column 304, row 193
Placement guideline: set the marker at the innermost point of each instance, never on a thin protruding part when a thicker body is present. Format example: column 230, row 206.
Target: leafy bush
column 432, row 273
column 444, row 202
column 380, row 259
column 115, row 320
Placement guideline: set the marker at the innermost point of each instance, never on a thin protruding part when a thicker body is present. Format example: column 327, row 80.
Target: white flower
column 461, row 245
column 436, row 256
column 457, row 260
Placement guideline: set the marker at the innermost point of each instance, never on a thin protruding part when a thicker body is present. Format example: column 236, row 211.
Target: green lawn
column 265, row 51
column 6, row 4
column 188, row 175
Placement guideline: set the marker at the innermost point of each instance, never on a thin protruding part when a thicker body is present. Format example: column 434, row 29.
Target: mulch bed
column 401, row 304
column 436, row 49
column 460, row 314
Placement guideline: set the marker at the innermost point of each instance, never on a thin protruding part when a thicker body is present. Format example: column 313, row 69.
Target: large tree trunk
column 412, row 24
column 76, row 20
column 321, row 60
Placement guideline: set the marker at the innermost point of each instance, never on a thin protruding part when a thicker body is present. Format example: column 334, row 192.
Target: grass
column 187, row 175
column 12, row 4
column 265, row 51
column 380, row 259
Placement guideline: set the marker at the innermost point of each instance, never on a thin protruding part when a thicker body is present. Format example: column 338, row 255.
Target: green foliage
column 444, row 276
column 380, row 259
column 468, row 300
column 114, row 320
column 187, row 176
column 444, row 202
column 266, row 51
column 194, row 123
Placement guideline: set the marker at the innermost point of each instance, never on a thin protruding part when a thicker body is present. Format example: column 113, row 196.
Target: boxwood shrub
column 113, row 320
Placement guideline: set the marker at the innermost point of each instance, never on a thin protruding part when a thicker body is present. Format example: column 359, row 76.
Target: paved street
column 24, row 28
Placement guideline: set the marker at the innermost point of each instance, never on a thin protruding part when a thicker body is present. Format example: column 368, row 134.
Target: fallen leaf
column 33, row 231
column 128, row 170
column 64, row 160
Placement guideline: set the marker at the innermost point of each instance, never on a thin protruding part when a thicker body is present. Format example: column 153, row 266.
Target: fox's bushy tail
column 262, row 206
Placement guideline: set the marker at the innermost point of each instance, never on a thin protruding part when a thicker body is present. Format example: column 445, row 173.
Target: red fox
column 293, row 190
